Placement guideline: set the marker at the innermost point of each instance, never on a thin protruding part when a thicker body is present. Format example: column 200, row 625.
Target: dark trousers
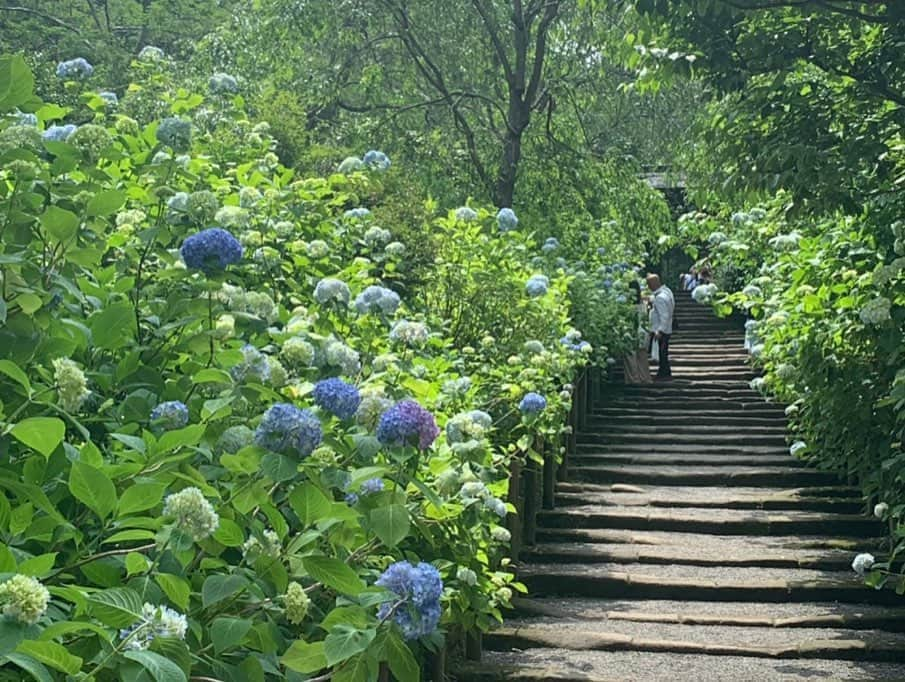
column 663, row 368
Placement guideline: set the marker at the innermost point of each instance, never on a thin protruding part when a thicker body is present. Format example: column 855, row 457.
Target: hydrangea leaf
column 303, row 657
column 391, row 524
column 160, row 668
column 334, row 574
column 43, row 434
column 117, row 607
column 344, row 641
column 52, row 654
column 228, row 632
column 93, row 488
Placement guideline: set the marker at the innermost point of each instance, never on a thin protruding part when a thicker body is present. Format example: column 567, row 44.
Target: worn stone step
column 709, row 545
column 667, row 404
column 708, row 520
column 782, row 616
column 613, row 456
column 703, row 475
column 839, row 500
column 644, row 446
column 564, row 665
column 686, row 412
column 719, row 438
column 619, row 553
column 701, row 583
column 667, row 421
column 853, row 645
column 606, row 427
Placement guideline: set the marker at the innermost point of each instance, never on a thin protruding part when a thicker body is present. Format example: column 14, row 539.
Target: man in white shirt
column 663, row 305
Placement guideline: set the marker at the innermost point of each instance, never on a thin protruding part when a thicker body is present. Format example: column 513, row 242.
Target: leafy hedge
column 826, row 302
column 270, row 449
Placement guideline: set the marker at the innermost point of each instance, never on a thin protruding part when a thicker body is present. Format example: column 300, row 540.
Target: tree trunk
column 512, row 154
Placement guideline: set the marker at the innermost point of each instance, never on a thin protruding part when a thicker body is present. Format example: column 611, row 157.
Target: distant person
column 663, row 307
column 689, row 280
column 637, row 362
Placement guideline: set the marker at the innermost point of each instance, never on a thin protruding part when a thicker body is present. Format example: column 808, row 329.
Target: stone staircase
column 689, row 545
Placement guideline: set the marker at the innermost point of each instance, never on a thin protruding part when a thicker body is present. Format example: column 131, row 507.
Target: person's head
column 653, row 281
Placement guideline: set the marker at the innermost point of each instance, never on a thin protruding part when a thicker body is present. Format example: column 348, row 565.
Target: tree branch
column 46, row 17
column 540, row 50
column 494, row 32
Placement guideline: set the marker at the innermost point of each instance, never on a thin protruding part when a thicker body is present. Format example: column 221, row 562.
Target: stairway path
column 688, row 544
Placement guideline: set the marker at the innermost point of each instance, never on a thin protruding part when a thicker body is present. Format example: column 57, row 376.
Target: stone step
column 703, row 475
column 654, row 437
column 598, row 553
column 805, row 499
column 666, row 405
column 689, row 427
column 728, row 614
column 686, row 413
column 711, row 521
column 701, row 583
column 586, row 447
column 721, row 545
column 853, row 645
column 564, row 665
column 613, row 456
column 667, row 421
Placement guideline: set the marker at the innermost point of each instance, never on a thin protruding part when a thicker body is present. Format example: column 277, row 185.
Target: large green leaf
column 305, row 658
column 333, row 573
column 228, row 632
column 17, row 84
column 177, row 589
column 43, row 434
column 344, row 641
column 52, row 654
column 113, row 327
column 162, row 669
column 59, row 223
column 36, row 669
column 402, row 661
column 216, row 588
column 106, row 202
column 93, row 488
column 117, row 607
column 309, row 503
column 391, row 524
column 140, row 497
column 14, row 372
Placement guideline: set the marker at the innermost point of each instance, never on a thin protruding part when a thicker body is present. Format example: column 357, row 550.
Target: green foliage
column 171, row 542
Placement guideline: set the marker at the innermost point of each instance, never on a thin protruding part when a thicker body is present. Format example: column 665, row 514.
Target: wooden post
column 513, row 521
column 437, row 663
column 474, row 645
column 549, row 496
column 530, row 496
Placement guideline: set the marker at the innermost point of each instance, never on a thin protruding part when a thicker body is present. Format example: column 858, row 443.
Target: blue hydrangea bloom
column 407, row 423
column 211, row 250
column 375, row 299
column 532, row 403
column 351, row 499
column 254, row 366
column 418, row 588
column 176, row 133
column 466, row 214
column 376, row 160
column 550, row 245
column 110, row 98
column 372, row 486
column 330, row 290
column 288, row 430
column 507, row 220
column 337, row 397
column 172, row 414
column 537, row 285
column 359, row 213
column 77, row 68
column 26, row 119
column 59, row 133
column 223, row 83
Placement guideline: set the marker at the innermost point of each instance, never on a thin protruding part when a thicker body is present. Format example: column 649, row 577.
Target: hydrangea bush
column 245, row 438
column 825, row 300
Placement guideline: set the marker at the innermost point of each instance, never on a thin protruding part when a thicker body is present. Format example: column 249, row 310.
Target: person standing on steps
column 663, row 307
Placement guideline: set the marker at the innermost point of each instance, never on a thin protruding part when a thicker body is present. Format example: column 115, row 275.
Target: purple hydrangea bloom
column 407, row 423
column 75, row 68
column 532, row 403
column 418, row 588
column 288, row 430
column 211, row 250
column 338, row 397
column 172, row 414
column 372, row 486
